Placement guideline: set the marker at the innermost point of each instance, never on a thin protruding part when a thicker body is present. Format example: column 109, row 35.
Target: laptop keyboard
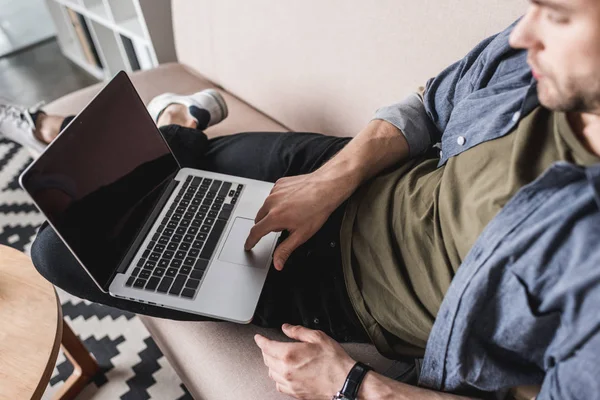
column 176, row 258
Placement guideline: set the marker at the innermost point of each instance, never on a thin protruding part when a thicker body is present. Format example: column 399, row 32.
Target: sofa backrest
column 326, row 66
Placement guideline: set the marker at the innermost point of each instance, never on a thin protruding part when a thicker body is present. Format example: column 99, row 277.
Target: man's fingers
column 259, row 230
column 273, row 348
column 302, row 333
column 285, row 249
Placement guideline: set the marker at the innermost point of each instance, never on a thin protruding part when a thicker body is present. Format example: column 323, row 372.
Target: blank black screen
column 101, row 178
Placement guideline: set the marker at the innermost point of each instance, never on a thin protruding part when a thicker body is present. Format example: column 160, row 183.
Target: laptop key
column 176, row 263
column 185, row 223
column 213, row 239
column 196, row 223
column 189, row 238
column 181, row 231
column 225, row 189
column 172, row 246
column 185, row 270
column 225, row 215
column 136, row 271
column 152, row 283
column 159, row 247
column 205, row 229
column 172, row 224
column 168, row 254
column 177, row 238
column 139, row 283
column 141, row 262
column 184, row 246
column 209, row 221
column 180, row 254
column 178, row 284
column 201, row 264
column 196, row 181
column 168, row 232
column 165, row 284
column 150, row 265
column 160, row 228
column 163, row 263
column 201, row 236
column 227, row 207
column 158, row 272
column 154, row 257
column 197, row 245
column 130, row 281
column 197, row 274
column 144, row 274
column 171, row 272
column 212, row 214
column 146, row 254
column 190, row 261
column 163, row 240
column 187, row 292
column 192, row 283
column 194, row 252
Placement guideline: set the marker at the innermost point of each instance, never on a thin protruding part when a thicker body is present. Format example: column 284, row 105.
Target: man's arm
column 302, row 204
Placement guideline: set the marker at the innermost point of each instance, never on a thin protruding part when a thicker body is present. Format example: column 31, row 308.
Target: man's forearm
column 375, row 148
column 379, row 387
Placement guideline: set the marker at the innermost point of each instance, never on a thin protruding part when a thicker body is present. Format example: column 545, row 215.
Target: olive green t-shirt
column 405, row 233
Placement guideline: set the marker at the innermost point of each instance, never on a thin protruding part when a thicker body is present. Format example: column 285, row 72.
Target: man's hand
column 314, row 368
column 299, row 204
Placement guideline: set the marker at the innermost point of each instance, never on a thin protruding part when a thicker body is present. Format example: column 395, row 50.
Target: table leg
column 84, row 365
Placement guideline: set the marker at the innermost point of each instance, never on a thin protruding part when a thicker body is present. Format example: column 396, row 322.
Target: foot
column 204, row 109
column 17, row 124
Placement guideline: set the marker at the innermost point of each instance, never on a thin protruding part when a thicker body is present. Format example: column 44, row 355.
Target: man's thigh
column 268, row 156
column 311, row 291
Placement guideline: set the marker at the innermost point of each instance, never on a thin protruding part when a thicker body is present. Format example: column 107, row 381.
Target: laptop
column 143, row 227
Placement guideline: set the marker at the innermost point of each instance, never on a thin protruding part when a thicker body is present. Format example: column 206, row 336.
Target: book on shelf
column 84, row 37
column 130, row 52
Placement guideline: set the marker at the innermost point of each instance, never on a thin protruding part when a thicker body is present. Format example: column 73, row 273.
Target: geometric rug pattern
column 131, row 365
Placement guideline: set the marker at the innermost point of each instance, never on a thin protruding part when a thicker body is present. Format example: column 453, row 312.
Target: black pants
column 310, row 291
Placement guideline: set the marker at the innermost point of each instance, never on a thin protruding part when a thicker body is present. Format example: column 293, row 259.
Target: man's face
column 563, row 42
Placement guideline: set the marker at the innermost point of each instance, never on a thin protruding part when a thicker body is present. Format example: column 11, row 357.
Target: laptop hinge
column 145, row 229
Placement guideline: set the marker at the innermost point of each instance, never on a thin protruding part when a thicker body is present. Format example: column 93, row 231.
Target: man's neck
column 586, row 127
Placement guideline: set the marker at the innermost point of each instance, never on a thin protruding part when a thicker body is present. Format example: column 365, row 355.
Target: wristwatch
column 353, row 380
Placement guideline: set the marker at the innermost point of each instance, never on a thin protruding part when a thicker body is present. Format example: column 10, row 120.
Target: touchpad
column 233, row 251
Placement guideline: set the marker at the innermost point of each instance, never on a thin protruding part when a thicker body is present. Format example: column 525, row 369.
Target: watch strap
column 353, row 380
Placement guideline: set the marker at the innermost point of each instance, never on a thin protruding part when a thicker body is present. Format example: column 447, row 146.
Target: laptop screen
column 99, row 181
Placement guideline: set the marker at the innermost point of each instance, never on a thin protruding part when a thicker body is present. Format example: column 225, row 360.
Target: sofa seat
column 175, row 78
column 219, row 360
column 215, row 360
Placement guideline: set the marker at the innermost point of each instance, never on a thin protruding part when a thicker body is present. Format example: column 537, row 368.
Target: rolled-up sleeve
column 422, row 117
column 411, row 118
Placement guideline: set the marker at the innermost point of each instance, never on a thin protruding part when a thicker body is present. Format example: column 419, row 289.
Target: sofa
column 317, row 66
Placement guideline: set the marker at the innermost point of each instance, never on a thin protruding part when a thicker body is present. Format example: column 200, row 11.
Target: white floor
column 23, row 23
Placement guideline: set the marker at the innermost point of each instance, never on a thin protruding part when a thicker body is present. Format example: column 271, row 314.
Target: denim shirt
column 524, row 306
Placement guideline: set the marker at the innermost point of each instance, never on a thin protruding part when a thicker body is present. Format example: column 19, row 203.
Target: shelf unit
column 121, row 34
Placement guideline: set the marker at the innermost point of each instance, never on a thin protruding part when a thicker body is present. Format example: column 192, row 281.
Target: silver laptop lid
column 99, row 181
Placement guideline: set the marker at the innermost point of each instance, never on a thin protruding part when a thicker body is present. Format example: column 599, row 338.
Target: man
column 484, row 254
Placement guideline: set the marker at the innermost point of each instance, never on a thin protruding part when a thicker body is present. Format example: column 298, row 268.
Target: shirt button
column 316, row 321
column 461, row 140
column 332, row 244
column 441, row 154
column 516, row 116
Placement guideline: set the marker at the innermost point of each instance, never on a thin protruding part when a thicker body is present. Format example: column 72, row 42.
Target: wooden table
column 31, row 331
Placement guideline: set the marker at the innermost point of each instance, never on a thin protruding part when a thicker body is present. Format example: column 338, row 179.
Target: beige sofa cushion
column 219, row 360
column 175, row 78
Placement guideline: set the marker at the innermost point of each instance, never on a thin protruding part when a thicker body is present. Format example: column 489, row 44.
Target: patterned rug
column 131, row 365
